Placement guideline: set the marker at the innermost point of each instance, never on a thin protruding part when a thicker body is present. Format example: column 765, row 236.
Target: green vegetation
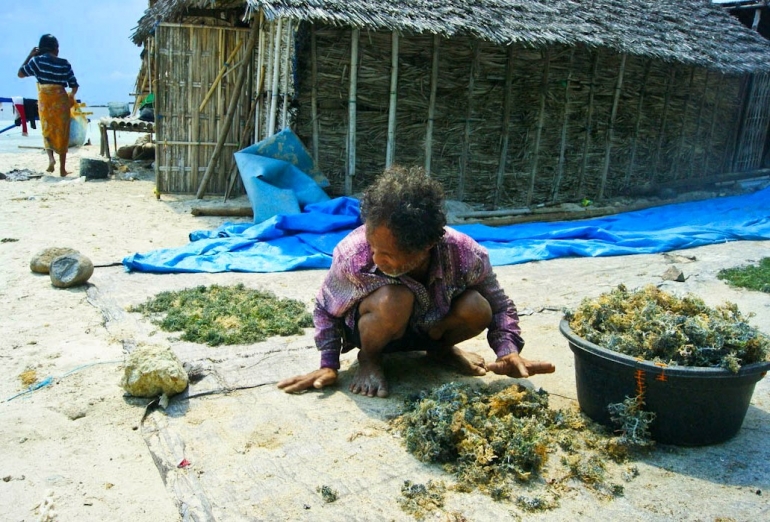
column 500, row 440
column 419, row 500
column 328, row 494
column 753, row 277
column 218, row 315
column 656, row 326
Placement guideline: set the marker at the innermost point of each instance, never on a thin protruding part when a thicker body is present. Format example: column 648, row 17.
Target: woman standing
column 53, row 76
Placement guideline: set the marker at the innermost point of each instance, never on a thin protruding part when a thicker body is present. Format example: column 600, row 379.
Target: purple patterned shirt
column 457, row 264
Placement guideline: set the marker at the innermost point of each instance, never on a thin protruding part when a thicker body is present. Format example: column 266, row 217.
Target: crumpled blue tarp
column 280, row 176
column 306, row 240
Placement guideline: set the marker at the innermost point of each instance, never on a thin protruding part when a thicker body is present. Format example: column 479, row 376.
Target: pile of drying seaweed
column 496, row 441
column 753, row 277
column 225, row 314
column 656, row 326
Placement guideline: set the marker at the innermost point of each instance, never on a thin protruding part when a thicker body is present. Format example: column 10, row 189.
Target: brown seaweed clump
column 499, row 441
column 656, row 326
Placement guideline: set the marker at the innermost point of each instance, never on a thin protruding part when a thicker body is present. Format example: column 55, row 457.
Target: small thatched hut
column 509, row 103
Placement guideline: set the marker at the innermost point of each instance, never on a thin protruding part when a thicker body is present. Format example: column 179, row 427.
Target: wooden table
column 122, row 125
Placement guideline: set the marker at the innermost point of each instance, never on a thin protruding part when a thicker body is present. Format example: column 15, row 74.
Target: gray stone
column 41, row 262
column 153, row 370
column 673, row 274
column 70, row 270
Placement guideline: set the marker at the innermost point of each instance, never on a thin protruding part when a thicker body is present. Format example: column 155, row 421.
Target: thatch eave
column 695, row 32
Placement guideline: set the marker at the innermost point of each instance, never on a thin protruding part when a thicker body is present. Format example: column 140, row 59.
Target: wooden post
column 235, row 98
column 468, row 115
column 286, row 75
column 611, row 129
column 540, row 125
column 431, row 105
column 662, row 133
column 276, row 74
column 314, row 92
column 565, row 122
column 638, row 123
column 699, row 118
column 390, row 151
column 505, row 132
column 260, row 79
column 352, row 94
column 707, row 148
column 589, row 125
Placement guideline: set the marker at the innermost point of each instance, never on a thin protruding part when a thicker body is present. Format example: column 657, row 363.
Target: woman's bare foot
column 63, row 172
column 51, row 167
column 465, row 362
column 370, row 378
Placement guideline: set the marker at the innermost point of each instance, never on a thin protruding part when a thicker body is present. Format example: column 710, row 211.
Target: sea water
column 13, row 140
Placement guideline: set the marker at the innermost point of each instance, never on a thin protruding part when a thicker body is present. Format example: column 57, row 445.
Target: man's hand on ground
column 513, row 365
column 317, row 379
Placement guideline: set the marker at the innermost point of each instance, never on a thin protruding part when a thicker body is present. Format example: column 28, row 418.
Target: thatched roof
column 694, row 32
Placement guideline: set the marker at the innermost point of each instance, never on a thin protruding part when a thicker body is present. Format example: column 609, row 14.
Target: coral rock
column 70, row 270
column 153, row 370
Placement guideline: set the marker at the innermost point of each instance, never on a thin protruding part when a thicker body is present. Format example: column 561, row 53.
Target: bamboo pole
column 468, row 115
column 286, row 74
column 235, row 98
column 638, row 122
column 192, row 151
column 260, row 79
column 611, row 129
column 707, row 149
column 276, row 74
column 699, row 118
column 219, row 77
column 540, row 124
column 314, row 92
column 730, row 156
column 352, row 94
column 565, row 124
column 664, row 117
column 678, row 161
column 588, row 125
column 390, row 151
column 431, row 105
column 505, row 132
column 248, row 128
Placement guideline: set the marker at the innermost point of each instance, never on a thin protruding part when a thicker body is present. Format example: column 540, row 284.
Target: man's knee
column 389, row 308
column 473, row 309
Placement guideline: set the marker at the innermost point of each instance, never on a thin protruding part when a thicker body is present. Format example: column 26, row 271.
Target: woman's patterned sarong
column 54, row 108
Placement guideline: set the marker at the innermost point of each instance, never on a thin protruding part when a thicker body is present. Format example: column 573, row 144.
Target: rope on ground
column 50, row 379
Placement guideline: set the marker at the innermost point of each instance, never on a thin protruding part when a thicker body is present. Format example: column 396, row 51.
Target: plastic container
column 78, row 127
column 694, row 406
column 118, row 109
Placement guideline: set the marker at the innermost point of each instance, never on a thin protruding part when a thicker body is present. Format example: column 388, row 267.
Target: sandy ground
column 80, row 446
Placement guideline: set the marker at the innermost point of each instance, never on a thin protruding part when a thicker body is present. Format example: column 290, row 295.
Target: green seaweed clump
column 656, row 326
column 633, row 421
column 753, row 277
column 328, row 494
column 218, row 315
column 419, row 500
column 497, row 440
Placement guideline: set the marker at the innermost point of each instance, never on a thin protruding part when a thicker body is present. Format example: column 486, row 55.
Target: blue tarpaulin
column 306, row 240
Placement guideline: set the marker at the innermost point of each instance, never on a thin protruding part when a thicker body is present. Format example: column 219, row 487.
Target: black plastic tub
column 693, row 406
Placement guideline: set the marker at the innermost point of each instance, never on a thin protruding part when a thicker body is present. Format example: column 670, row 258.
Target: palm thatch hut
column 510, row 103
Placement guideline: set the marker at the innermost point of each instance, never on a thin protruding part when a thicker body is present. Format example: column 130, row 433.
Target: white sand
column 78, row 441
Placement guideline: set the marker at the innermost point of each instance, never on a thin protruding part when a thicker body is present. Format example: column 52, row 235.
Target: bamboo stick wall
column 188, row 61
column 580, row 123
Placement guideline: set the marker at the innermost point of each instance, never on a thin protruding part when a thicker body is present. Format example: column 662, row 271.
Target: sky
column 94, row 35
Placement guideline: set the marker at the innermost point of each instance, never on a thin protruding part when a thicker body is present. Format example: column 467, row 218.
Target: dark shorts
column 412, row 341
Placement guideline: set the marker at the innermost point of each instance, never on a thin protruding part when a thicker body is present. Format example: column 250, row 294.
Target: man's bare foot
column 370, row 378
column 467, row 363
column 51, row 167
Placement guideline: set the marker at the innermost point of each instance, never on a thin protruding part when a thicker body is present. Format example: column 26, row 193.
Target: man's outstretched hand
column 513, row 365
column 317, row 379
